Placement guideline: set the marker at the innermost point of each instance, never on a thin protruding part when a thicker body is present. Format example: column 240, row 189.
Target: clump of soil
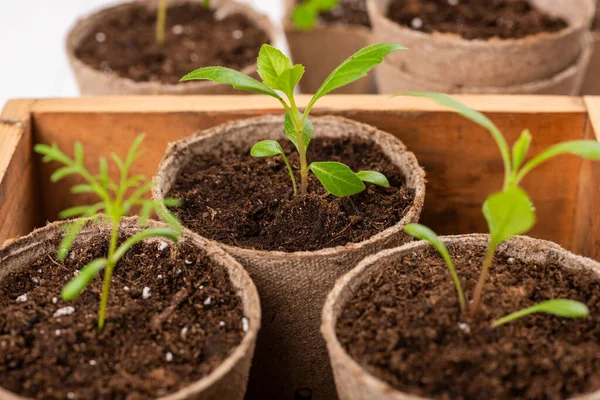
column 403, row 325
column 194, row 38
column 248, row 202
column 475, row 19
column 145, row 350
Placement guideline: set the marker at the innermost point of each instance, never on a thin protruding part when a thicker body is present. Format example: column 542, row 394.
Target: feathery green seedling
column 305, row 14
column 115, row 203
column 278, row 74
column 510, row 212
column 161, row 19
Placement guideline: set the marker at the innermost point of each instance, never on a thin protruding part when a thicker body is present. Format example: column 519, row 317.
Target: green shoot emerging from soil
column 115, row 203
column 509, row 212
column 161, row 19
column 279, row 74
column 305, row 14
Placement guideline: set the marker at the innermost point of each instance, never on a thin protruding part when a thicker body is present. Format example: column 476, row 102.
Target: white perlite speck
column 21, row 299
column 453, row 2
column 245, row 325
column 169, row 357
column 126, row 288
column 92, row 362
column 159, row 277
column 184, row 331
column 35, row 280
column 162, row 246
column 177, row 29
column 201, row 287
column 54, row 300
column 221, row 323
column 100, row 37
column 146, row 293
column 57, row 332
column 207, row 301
column 237, row 34
column 61, row 312
column 464, row 327
column 510, row 261
column 416, row 23
column 70, row 395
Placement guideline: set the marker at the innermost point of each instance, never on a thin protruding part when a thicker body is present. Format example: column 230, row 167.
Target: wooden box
column 462, row 162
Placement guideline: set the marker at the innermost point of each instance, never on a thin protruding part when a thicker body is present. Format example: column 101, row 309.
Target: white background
column 32, row 44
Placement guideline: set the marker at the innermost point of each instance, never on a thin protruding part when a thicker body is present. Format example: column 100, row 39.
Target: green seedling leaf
column 266, row 148
column 288, row 80
column 337, row 178
column 83, row 188
column 354, row 68
column 78, row 152
column 520, row 149
column 271, row 64
column 63, row 172
column 588, row 149
column 231, row 77
column 167, row 233
column 422, row 232
column 305, row 16
column 290, row 131
column 559, row 307
column 171, row 202
column 206, row 3
column 508, row 213
column 374, row 177
column 74, row 288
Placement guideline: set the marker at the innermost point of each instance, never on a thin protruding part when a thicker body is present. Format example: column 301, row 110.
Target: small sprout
column 115, row 204
column 306, row 13
column 280, row 75
column 559, row 307
column 509, row 212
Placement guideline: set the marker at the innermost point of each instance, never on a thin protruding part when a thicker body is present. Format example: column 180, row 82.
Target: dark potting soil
column 150, row 346
column 475, row 19
column 347, row 12
column 194, row 38
column 248, row 202
column 402, row 325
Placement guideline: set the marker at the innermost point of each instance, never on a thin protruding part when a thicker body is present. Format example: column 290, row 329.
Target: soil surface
column 404, row 326
column 194, row 38
column 248, row 202
column 347, row 12
column 475, row 19
column 146, row 350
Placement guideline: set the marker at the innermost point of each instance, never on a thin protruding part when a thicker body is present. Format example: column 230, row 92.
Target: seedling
column 115, row 203
column 509, row 212
column 161, row 19
column 305, row 14
column 278, row 74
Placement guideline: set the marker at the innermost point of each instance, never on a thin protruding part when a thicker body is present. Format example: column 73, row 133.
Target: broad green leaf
column 83, row 279
column 290, row 131
column 337, row 178
column 231, row 77
column 520, row 149
column 508, row 213
column 559, row 307
column 63, row 172
column 305, row 16
column 589, row 149
column 422, row 232
column 374, row 177
column 288, row 79
column 271, row 64
column 266, row 148
column 354, row 68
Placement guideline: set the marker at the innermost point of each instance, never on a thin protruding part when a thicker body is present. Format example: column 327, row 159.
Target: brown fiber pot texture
column 568, row 82
column 94, row 82
column 591, row 84
column 352, row 380
column 323, row 48
column 291, row 354
column 455, row 61
column 229, row 380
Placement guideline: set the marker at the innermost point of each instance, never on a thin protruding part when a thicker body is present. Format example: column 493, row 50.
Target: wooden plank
column 19, row 206
column 586, row 227
column 461, row 160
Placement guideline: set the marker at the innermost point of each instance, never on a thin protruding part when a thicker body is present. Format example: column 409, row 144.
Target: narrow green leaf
column 171, row 202
column 288, row 80
column 71, row 232
column 271, row 64
column 133, row 153
column 167, row 233
column 83, row 279
column 290, row 130
column 354, row 68
column 422, row 232
column 206, row 3
column 559, row 307
column 118, row 161
column 374, row 177
column 78, row 152
column 337, row 178
column 266, row 148
column 508, row 213
column 52, row 153
column 520, row 149
column 75, row 211
column 231, row 77
column 168, row 217
column 83, row 188
column 63, row 172
column 588, row 149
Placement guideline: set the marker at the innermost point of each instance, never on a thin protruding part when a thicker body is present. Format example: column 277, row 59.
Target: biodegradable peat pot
column 226, row 380
column 323, row 48
column 291, row 358
column 490, row 63
column 567, row 82
column 591, row 85
column 93, row 81
column 527, row 257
